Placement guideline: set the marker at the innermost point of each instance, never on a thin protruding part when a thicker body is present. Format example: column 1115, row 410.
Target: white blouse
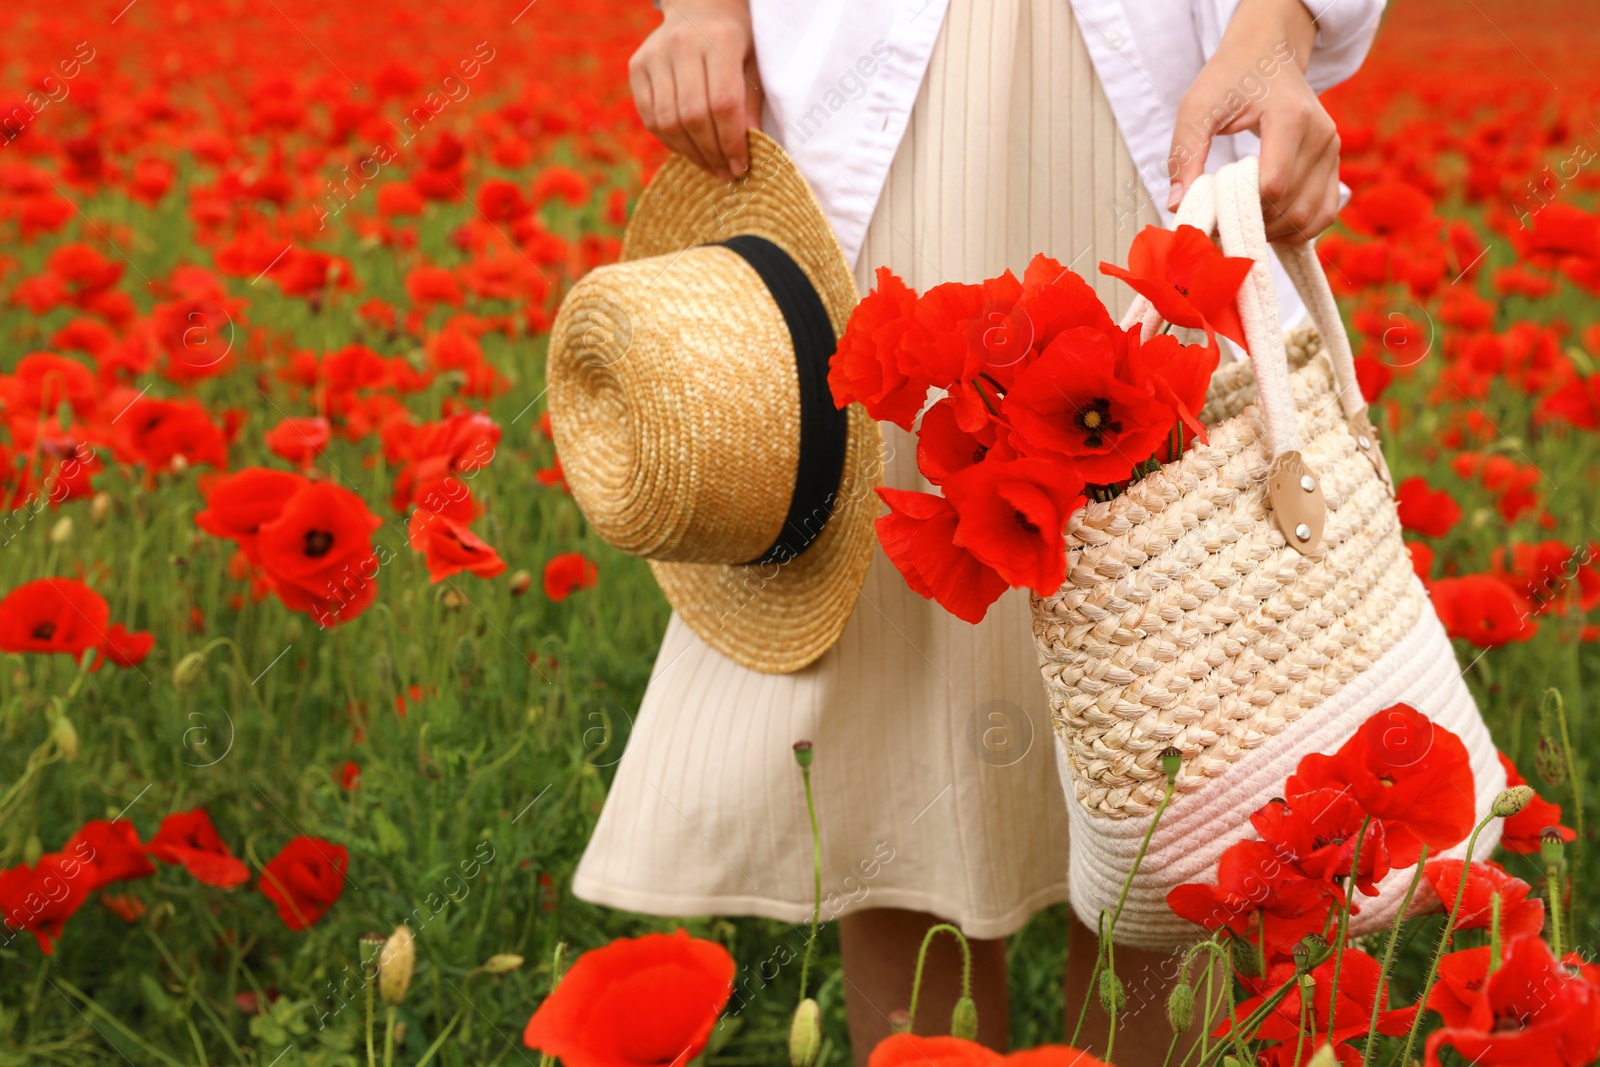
column 841, row 76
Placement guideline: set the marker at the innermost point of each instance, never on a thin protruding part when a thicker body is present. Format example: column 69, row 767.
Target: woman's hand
column 1256, row 81
column 695, row 82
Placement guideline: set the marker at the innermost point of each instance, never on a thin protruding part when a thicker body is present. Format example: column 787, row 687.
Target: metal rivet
column 1303, row 532
column 1363, row 442
column 1308, row 483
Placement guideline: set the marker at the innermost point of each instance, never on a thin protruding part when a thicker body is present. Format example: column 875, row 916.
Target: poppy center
column 1022, row 521
column 978, row 453
column 1095, row 420
column 44, row 631
column 318, row 543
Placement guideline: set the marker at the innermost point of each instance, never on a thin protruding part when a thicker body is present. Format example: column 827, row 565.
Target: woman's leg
column 878, row 948
column 1143, row 1032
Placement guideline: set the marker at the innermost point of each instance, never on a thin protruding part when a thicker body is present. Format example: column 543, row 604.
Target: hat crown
column 675, row 406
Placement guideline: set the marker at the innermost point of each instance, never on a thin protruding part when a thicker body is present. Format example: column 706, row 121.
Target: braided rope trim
column 1186, row 620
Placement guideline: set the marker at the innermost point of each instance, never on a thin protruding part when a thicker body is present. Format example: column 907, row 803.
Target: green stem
column 816, row 882
column 1344, row 925
column 1577, row 792
column 1108, row 938
column 1254, row 1019
column 1552, row 884
column 1300, row 1030
column 922, row 958
column 1494, row 932
column 438, row 1041
column 1388, row 958
column 388, row 1037
column 94, row 1006
column 1444, row 940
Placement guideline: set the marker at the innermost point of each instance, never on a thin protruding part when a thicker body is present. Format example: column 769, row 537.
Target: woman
column 947, row 140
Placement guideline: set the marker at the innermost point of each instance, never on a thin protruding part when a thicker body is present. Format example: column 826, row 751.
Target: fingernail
column 1175, row 196
column 738, row 168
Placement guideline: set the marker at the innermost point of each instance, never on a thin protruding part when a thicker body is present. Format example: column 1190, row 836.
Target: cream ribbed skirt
column 935, row 767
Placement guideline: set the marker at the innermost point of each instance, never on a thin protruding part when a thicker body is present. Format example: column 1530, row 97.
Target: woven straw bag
column 1248, row 604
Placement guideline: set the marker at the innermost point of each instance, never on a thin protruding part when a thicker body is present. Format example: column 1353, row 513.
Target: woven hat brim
column 780, row 617
column 775, row 618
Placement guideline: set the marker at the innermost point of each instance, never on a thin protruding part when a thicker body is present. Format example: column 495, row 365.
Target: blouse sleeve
column 1345, row 29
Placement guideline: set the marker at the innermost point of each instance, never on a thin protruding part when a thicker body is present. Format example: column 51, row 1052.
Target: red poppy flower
column 501, row 200
column 1051, row 1056
column 299, row 440
column 41, row 898
column 1421, row 560
column 1524, row 832
column 237, row 505
column 1256, row 888
column 1188, row 279
column 304, row 880
column 1483, row 609
column 1390, row 210
column 1081, row 402
column 1012, row 515
column 1318, row 834
column 349, row 775
column 918, row 535
column 650, row 1000
column 560, row 182
column 113, row 849
column 1533, row 1013
column 1409, row 773
column 318, row 553
column 866, row 366
column 568, row 572
column 188, row 839
column 1486, row 880
column 126, row 648
column 450, row 547
column 962, row 333
column 944, row 448
column 1459, row 989
column 1577, row 403
column 154, row 432
column 60, row 615
column 1425, row 510
column 1349, row 1017
column 1550, row 575
column 905, row 1050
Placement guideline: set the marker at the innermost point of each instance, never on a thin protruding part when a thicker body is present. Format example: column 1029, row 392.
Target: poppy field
column 303, row 642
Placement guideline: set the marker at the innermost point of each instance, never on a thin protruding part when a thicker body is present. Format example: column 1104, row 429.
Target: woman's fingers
column 695, row 83
column 725, row 97
column 1299, row 168
column 694, row 114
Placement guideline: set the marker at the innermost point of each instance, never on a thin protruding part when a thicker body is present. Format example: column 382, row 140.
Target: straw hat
column 690, row 406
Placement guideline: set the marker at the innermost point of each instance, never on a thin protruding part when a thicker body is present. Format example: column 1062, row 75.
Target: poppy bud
column 396, row 964
column 65, row 735
column 188, row 669
column 900, row 1021
column 1309, row 952
column 1324, row 1057
column 450, row 599
column 1511, row 801
column 31, row 849
column 802, row 753
column 501, row 963
column 1551, row 847
column 1232, row 1061
column 1112, row 998
column 805, row 1034
column 370, row 944
column 1550, row 762
column 1180, row 1007
column 100, row 507
column 292, row 631
column 520, row 582
column 964, row 1019
column 1171, row 763
column 61, row 532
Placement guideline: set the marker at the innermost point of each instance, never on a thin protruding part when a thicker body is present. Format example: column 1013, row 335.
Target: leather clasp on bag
column 1366, row 436
column 1294, row 493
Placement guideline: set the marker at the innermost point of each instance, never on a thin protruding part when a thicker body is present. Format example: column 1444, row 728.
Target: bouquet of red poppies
column 1048, row 403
